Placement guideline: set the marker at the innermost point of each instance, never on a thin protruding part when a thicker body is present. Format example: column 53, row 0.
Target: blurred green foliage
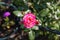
column 48, row 11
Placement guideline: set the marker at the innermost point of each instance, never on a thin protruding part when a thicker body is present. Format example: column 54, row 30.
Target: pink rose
column 29, row 20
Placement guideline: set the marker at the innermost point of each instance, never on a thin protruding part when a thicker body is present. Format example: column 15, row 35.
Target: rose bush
column 46, row 11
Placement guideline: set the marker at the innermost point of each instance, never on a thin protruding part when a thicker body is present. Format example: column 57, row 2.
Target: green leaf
column 6, row 19
column 1, row 3
column 35, row 28
column 22, row 26
column 44, row 12
column 31, row 35
column 18, row 13
column 58, row 7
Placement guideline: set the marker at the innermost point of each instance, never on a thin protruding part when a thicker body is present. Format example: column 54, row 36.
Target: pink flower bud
column 6, row 14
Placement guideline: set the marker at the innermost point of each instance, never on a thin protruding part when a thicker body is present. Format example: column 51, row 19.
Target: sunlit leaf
column 18, row 13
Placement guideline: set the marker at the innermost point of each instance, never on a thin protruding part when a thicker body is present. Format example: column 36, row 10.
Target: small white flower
column 48, row 3
column 56, row 17
column 58, row 10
